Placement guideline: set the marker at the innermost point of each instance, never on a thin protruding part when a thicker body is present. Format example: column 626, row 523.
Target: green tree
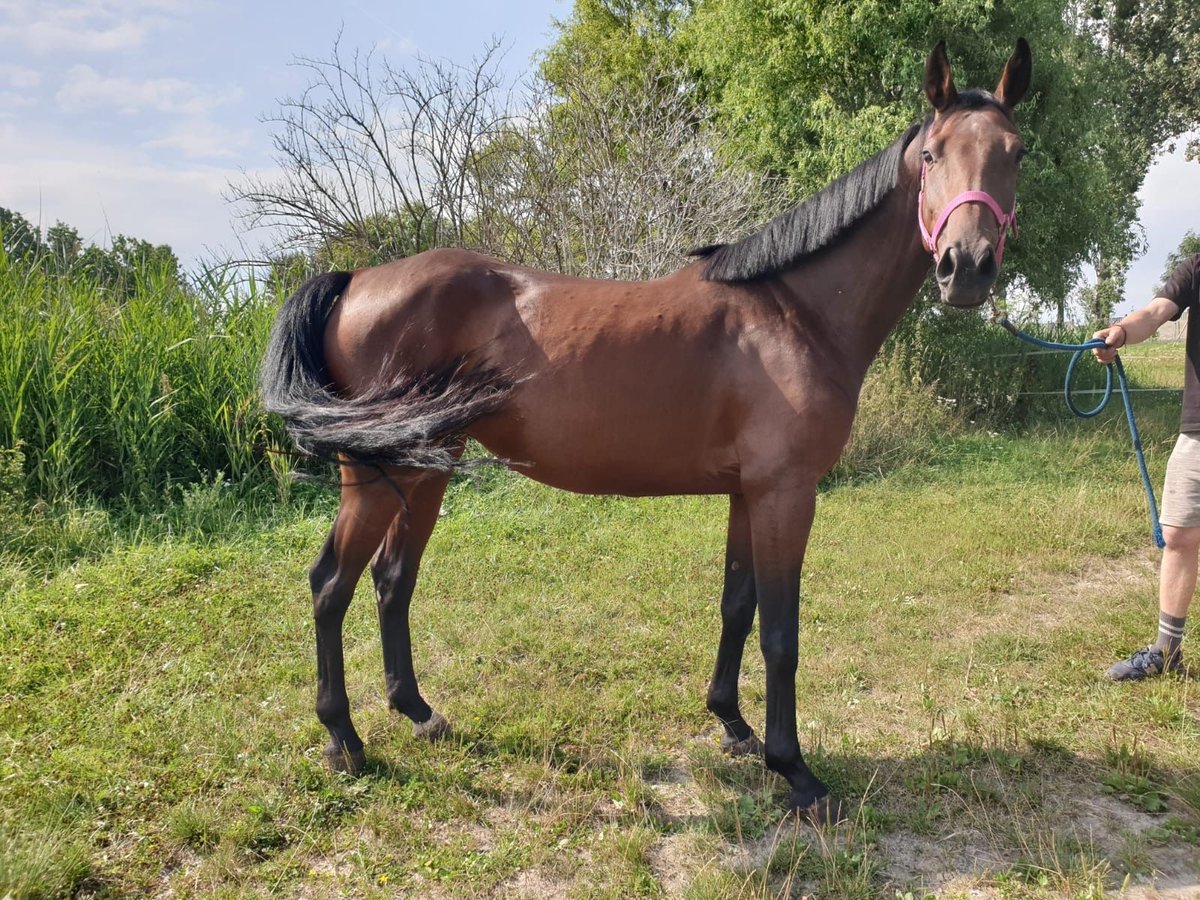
column 1158, row 43
column 128, row 261
column 811, row 88
column 1153, row 47
column 379, row 238
column 614, row 41
column 1188, row 247
column 20, row 239
column 63, row 248
column 62, row 253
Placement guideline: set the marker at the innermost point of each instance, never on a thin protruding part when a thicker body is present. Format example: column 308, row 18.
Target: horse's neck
column 861, row 287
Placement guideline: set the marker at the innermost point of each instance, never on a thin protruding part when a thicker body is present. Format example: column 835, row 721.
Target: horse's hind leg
column 363, row 517
column 737, row 617
column 395, row 573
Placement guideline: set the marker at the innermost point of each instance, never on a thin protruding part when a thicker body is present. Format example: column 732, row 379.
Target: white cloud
column 103, row 191
column 71, row 34
column 83, row 26
column 19, row 76
column 11, row 101
column 203, row 139
column 84, row 88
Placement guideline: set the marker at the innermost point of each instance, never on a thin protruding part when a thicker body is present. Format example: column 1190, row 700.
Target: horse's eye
column 1021, row 155
column 927, row 157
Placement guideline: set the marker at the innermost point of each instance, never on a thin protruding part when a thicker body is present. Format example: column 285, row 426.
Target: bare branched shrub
column 377, row 162
column 616, row 182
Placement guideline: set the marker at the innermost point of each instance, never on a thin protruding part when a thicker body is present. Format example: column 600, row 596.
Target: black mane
column 811, row 225
column 817, row 221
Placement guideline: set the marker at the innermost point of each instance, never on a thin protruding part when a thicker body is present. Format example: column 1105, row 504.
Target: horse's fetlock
column 781, row 759
column 408, row 702
column 332, row 711
column 722, row 704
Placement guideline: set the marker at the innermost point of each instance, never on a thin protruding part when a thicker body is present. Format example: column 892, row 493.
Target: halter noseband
column 930, row 239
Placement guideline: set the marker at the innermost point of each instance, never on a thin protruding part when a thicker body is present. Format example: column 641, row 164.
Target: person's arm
column 1135, row 327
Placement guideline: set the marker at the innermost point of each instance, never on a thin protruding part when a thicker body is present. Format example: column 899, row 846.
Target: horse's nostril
column 987, row 266
column 947, row 264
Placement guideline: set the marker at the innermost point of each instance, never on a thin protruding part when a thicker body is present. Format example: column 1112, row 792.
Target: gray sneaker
column 1145, row 663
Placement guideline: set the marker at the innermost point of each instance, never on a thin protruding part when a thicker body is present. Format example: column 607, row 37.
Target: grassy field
column 156, row 685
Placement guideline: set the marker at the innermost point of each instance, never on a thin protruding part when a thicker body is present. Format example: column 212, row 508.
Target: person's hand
column 1115, row 337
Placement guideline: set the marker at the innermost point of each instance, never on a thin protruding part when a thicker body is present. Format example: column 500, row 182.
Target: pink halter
column 1006, row 221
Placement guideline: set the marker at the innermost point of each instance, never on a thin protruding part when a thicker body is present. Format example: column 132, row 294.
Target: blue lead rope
column 1077, row 351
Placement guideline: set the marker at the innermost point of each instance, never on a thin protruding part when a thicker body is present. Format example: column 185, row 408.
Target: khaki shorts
column 1181, row 488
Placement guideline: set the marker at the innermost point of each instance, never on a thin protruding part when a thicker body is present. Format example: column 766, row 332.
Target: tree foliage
column 1157, row 43
column 20, row 239
column 619, row 183
column 806, row 89
column 61, row 252
column 1188, row 247
column 613, row 42
column 378, row 162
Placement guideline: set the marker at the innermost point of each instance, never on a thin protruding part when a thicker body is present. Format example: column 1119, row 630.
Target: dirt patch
column 540, row 883
column 1038, row 602
column 674, row 860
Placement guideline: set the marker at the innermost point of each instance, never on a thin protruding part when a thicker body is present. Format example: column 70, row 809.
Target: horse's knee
column 331, row 590
column 780, row 652
column 330, row 603
column 737, row 606
column 393, row 587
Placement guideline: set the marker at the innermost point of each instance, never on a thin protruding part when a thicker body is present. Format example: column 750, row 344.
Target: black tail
column 410, row 420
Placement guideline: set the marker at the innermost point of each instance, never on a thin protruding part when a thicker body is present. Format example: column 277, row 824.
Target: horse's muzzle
column 966, row 278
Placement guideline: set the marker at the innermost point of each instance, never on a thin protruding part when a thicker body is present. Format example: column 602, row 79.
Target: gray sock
column 1170, row 634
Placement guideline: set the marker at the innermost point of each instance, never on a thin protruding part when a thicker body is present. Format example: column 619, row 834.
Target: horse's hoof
column 750, row 746
column 341, row 759
column 826, row 810
column 432, row 728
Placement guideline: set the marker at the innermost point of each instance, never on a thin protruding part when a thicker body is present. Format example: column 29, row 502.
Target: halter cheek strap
column 1006, row 221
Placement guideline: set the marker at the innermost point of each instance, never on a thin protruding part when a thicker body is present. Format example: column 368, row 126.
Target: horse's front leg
column 780, row 521
column 737, row 617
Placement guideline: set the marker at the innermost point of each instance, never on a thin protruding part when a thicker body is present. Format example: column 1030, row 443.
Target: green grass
column 1155, row 363
column 156, row 696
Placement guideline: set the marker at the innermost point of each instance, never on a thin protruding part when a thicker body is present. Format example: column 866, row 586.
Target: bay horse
column 738, row 374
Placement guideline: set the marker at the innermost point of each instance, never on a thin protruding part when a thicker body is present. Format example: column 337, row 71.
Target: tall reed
column 121, row 397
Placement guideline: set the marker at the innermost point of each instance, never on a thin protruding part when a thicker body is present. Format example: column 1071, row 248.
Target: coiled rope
column 1077, row 351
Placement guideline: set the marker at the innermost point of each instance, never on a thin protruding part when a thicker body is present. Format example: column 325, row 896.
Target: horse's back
column 448, row 303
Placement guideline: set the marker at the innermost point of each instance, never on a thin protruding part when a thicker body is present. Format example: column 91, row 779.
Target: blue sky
column 132, row 116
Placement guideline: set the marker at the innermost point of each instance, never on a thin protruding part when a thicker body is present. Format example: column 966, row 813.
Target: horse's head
column 969, row 160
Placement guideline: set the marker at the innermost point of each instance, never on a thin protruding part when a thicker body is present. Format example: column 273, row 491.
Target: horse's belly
column 596, row 462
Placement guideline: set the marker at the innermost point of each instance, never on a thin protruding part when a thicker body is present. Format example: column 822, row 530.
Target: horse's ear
column 939, row 80
column 1018, row 72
